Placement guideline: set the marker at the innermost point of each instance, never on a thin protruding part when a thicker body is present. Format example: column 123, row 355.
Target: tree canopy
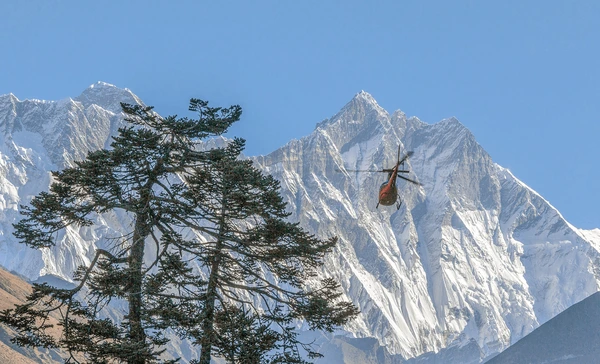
column 210, row 255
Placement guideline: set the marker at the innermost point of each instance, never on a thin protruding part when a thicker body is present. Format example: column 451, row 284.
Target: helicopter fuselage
column 388, row 192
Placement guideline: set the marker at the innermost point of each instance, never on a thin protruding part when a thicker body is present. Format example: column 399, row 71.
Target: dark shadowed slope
column 571, row 337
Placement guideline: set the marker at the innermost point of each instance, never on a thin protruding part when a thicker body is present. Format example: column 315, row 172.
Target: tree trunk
column 209, row 317
column 136, row 260
column 208, row 331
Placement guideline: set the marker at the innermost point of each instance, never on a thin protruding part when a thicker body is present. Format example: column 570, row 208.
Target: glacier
column 474, row 259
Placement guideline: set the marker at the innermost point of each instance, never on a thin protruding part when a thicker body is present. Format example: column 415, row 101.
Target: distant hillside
column 13, row 290
column 572, row 337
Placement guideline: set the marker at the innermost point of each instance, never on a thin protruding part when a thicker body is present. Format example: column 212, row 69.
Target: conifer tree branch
column 88, row 271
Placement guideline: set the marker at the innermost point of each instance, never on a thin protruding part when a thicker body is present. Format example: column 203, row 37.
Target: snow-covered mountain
column 472, row 255
column 37, row 137
column 471, row 262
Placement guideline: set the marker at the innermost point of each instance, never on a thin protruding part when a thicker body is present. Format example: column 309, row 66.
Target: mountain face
column 37, row 137
column 471, row 262
column 472, row 255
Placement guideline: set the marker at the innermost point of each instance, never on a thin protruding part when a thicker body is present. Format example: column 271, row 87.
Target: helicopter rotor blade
column 356, row 170
column 409, row 180
column 362, row 170
column 406, row 156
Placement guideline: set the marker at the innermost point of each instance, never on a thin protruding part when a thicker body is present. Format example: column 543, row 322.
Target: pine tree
column 250, row 241
column 227, row 270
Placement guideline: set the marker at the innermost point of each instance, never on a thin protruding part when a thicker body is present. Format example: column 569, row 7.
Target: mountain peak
column 101, row 84
column 452, row 123
column 451, row 120
column 9, row 96
column 108, row 96
column 363, row 101
column 365, row 97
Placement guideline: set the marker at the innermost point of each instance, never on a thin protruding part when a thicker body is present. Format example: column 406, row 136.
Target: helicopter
column 388, row 191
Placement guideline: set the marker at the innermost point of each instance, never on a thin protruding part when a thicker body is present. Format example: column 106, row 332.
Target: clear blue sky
column 523, row 76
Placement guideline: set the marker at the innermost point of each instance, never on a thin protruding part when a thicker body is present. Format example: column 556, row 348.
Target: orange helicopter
column 388, row 192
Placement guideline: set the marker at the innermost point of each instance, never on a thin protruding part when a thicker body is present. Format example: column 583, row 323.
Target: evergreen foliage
column 210, row 255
